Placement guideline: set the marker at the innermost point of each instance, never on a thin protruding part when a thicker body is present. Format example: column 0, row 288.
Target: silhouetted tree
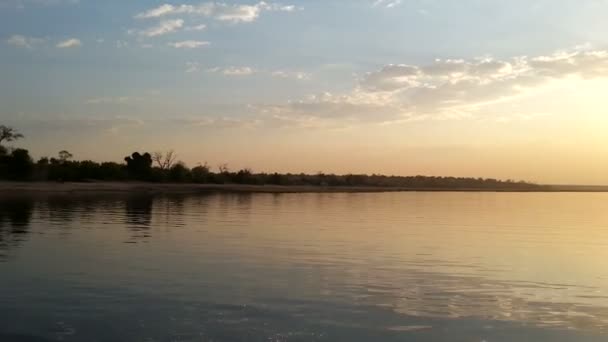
column 200, row 173
column 179, row 173
column 223, row 168
column 9, row 134
column 64, row 156
column 139, row 166
column 164, row 160
column 244, row 176
column 18, row 164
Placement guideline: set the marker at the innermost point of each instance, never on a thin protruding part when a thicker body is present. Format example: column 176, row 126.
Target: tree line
column 17, row 164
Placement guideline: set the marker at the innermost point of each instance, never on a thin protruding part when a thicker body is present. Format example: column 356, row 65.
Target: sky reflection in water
column 410, row 266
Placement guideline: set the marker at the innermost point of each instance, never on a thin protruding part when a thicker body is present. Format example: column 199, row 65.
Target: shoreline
column 16, row 188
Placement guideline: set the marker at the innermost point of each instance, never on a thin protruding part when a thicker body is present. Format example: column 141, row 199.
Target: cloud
column 233, row 71
column 386, row 3
column 238, row 71
column 70, row 43
column 23, row 41
column 217, row 122
column 443, row 89
column 200, row 27
column 247, row 71
column 298, row 75
column 217, row 10
column 189, row 44
column 158, row 12
column 164, row 27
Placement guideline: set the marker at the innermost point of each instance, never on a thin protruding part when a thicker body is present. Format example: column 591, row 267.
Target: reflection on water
column 411, row 266
column 15, row 217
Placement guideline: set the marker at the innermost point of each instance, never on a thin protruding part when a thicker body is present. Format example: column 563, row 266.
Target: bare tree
column 164, row 160
column 223, row 168
column 9, row 134
column 204, row 166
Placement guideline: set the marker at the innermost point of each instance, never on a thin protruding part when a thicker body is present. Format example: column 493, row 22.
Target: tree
column 224, row 169
column 179, row 172
column 9, row 134
column 200, row 173
column 64, row 156
column 139, row 165
column 19, row 164
column 164, row 160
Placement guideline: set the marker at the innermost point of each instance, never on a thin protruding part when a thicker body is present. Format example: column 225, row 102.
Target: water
column 305, row 267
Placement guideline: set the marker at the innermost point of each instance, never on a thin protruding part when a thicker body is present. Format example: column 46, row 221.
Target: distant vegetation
column 16, row 164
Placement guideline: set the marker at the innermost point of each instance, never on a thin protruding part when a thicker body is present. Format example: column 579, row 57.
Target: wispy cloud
column 23, row 41
column 69, row 43
column 164, row 27
column 298, row 75
column 200, row 27
column 233, row 70
column 189, row 44
column 217, row 122
column 234, row 13
column 386, row 3
column 247, row 71
column 444, row 89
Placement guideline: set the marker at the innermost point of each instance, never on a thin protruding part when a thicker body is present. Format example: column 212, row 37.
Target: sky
column 484, row 88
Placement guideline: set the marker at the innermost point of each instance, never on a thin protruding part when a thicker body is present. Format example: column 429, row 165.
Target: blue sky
column 343, row 76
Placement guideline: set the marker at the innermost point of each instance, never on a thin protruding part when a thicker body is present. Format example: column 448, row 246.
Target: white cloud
column 234, row 71
column 218, row 10
column 189, row 44
column 386, row 3
column 158, row 12
column 164, row 27
column 444, row 89
column 298, row 75
column 70, row 43
column 23, row 41
column 238, row 71
column 247, row 71
column 200, row 27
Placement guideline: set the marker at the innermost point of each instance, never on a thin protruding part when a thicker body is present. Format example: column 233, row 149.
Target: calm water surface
column 305, row 267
